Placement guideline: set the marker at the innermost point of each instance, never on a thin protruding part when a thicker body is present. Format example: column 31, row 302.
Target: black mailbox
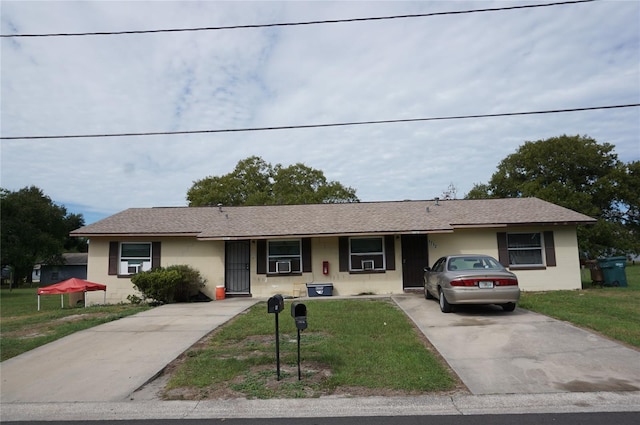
column 299, row 313
column 275, row 304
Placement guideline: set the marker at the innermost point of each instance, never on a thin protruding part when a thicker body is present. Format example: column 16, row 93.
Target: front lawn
column 23, row 327
column 614, row 312
column 351, row 346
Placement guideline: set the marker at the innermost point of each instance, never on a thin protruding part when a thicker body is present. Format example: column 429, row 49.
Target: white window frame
column 516, row 259
column 361, row 261
column 137, row 263
column 275, row 260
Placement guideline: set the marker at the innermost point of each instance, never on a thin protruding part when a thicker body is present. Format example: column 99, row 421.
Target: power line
column 290, row 24
column 304, row 126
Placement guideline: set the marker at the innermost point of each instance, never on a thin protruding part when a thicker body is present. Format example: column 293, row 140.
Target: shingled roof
column 396, row 217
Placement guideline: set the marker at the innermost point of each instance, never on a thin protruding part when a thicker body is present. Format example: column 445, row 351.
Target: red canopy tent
column 71, row 285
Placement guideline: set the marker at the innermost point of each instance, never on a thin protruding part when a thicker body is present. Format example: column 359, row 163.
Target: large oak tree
column 35, row 229
column 579, row 173
column 256, row 182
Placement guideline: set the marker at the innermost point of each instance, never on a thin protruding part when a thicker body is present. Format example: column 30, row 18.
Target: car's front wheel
column 509, row 306
column 445, row 307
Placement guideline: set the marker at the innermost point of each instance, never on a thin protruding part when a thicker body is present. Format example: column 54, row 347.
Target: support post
column 275, row 305
column 277, row 347
column 299, row 372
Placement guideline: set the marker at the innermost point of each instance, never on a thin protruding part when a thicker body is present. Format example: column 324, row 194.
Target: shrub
column 169, row 284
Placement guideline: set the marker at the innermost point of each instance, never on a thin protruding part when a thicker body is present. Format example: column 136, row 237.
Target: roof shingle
column 331, row 219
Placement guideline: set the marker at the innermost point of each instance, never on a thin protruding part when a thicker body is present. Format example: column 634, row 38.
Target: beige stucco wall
column 326, row 249
column 208, row 258
column 566, row 275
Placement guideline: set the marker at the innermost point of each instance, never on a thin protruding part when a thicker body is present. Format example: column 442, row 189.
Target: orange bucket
column 220, row 292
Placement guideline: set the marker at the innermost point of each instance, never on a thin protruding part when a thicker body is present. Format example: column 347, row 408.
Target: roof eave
column 134, row 235
column 321, row 235
column 522, row 224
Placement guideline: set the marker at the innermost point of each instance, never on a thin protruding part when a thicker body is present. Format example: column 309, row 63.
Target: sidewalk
column 327, row 407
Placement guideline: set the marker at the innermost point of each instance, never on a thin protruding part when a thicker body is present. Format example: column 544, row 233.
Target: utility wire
column 290, row 24
column 304, row 126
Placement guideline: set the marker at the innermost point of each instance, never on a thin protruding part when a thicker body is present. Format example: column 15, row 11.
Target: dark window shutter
column 113, row 258
column 390, row 252
column 261, row 256
column 155, row 255
column 343, row 255
column 503, row 251
column 306, row 255
column 549, row 249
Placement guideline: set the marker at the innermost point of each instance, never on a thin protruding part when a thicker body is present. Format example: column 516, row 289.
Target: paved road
column 522, row 352
column 624, row 418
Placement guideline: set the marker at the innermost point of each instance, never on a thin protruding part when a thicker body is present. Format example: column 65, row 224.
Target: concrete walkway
column 110, row 361
column 522, row 352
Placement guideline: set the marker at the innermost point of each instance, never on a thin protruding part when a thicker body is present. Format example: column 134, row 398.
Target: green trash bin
column 613, row 271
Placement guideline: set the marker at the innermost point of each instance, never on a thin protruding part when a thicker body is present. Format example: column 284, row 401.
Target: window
column 525, row 249
column 134, row 258
column 473, row 263
column 366, row 254
column 438, row 266
column 284, row 256
column 117, row 265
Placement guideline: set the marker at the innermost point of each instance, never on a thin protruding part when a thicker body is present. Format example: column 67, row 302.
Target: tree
column 74, row 244
column 628, row 197
column 33, row 229
column 256, row 182
column 575, row 172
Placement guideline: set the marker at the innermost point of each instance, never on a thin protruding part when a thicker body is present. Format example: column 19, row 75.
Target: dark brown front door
column 415, row 257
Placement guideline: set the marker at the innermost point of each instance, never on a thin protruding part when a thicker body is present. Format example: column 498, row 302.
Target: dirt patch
column 73, row 318
column 44, row 329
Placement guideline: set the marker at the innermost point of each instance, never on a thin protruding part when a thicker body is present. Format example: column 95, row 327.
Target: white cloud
column 534, row 59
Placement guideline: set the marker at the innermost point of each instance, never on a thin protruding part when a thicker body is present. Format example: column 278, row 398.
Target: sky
column 535, row 59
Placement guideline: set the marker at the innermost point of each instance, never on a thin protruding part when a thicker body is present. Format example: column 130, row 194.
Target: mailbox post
column 299, row 314
column 275, row 305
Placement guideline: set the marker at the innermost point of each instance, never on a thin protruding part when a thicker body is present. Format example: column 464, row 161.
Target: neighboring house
column 35, row 273
column 368, row 247
column 75, row 265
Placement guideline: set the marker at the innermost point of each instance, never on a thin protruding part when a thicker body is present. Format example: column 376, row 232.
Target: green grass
column 23, row 327
column 614, row 312
column 349, row 344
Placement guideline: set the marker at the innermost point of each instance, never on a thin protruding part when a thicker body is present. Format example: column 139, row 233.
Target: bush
column 169, row 284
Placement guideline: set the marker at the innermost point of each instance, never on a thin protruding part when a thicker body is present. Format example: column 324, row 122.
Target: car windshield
column 473, row 263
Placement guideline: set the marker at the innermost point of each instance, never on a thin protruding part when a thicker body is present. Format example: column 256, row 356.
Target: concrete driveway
column 111, row 361
column 495, row 352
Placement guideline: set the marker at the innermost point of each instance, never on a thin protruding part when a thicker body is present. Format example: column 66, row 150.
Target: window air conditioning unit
column 134, row 268
column 283, row 266
column 367, row 264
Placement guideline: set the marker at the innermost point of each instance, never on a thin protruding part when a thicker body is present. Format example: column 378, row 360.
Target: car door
column 434, row 274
